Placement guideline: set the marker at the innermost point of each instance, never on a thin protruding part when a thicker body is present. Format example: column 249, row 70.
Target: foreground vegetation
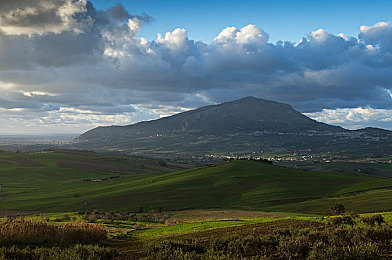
column 310, row 243
column 346, row 236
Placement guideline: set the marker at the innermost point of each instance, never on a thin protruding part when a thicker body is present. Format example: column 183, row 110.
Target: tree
column 338, row 209
column 162, row 163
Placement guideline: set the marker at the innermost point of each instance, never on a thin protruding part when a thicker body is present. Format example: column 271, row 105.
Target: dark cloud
column 19, row 17
column 118, row 12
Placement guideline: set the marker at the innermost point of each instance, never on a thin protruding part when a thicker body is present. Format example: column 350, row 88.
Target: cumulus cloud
column 64, row 59
column 378, row 35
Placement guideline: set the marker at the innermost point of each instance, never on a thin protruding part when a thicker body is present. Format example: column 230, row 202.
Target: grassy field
column 53, row 181
column 54, row 176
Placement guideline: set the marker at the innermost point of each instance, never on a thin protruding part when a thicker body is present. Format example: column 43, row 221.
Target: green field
column 53, row 181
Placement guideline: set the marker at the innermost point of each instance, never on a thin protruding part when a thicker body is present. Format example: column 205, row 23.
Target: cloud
column 18, row 17
column 354, row 118
column 378, row 35
column 63, row 56
column 248, row 35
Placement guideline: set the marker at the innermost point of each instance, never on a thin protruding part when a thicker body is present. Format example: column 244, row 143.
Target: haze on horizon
column 68, row 66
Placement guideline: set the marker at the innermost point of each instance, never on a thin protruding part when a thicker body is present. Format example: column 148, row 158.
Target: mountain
column 247, row 125
column 248, row 114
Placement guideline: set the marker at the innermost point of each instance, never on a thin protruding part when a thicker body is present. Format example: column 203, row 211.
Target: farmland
column 74, row 180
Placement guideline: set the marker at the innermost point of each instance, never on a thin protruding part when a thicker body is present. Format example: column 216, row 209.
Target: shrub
column 174, row 250
column 346, row 219
column 358, row 251
column 373, row 219
column 297, row 246
column 66, row 218
column 247, row 246
column 171, row 222
column 137, row 226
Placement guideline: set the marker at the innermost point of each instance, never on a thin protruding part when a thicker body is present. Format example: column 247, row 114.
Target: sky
column 67, row 66
column 284, row 20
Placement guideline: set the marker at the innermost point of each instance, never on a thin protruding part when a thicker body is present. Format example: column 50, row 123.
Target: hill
column 242, row 127
column 44, row 183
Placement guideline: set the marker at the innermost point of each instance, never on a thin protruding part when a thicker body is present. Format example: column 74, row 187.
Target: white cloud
column 354, row 118
column 250, row 34
column 176, row 40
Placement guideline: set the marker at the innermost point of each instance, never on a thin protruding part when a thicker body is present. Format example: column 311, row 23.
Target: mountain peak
column 249, row 98
column 252, row 99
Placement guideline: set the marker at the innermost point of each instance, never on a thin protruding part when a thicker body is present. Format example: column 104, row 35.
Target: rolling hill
column 242, row 127
column 72, row 180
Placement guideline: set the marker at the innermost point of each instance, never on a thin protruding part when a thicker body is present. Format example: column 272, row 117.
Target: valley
column 243, row 179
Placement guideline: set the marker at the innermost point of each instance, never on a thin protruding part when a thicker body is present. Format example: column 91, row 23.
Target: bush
column 295, row 246
column 358, row 251
column 373, row 219
column 248, row 246
column 174, row 250
column 66, row 218
column 171, row 222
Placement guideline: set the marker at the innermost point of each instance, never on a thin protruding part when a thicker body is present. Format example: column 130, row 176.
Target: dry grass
column 37, row 231
column 212, row 214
